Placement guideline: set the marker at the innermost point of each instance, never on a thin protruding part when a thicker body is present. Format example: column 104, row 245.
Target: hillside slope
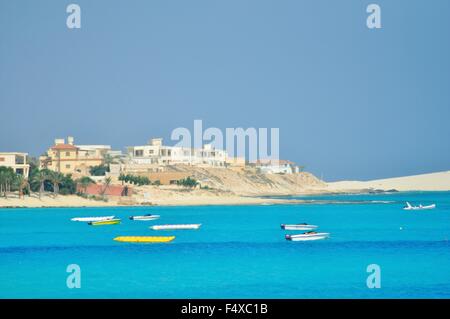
column 248, row 182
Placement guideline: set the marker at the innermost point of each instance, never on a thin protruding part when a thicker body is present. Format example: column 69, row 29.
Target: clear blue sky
column 351, row 103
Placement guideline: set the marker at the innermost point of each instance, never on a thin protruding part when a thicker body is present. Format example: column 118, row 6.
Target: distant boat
column 175, row 227
column 105, row 222
column 145, row 239
column 307, row 236
column 145, row 217
column 420, row 207
column 302, row 226
column 91, row 219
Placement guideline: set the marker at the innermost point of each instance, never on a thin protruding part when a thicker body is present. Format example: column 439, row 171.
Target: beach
column 157, row 198
column 230, row 195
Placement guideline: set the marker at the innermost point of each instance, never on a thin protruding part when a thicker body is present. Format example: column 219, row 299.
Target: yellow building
column 68, row 158
column 17, row 161
column 235, row 161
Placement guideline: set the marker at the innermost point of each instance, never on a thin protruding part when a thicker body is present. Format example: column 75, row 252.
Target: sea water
column 239, row 251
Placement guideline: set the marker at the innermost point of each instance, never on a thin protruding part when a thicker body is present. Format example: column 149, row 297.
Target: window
column 2, row 159
column 20, row 160
column 67, row 153
column 68, row 166
column 139, row 153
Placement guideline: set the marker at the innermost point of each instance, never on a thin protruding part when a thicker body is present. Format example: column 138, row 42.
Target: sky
column 350, row 102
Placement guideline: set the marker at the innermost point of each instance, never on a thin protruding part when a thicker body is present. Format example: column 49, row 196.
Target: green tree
column 99, row 170
column 56, row 179
column 22, row 184
column 187, row 182
column 68, row 185
column 84, row 182
column 108, row 160
column 7, row 177
column 40, row 177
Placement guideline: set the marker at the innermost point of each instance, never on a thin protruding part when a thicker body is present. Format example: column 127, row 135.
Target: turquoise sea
column 239, row 252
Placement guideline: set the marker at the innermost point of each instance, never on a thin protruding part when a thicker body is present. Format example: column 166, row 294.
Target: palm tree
column 40, row 178
column 56, row 178
column 85, row 181
column 2, row 181
column 7, row 177
column 108, row 159
column 106, row 186
column 22, row 183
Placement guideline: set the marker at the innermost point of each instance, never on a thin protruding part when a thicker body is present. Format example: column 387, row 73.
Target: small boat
column 312, row 235
column 145, row 217
column 302, row 226
column 91, row 219
column 175, row 227
column 145, row 239
column 420, row 207
column 105, row 222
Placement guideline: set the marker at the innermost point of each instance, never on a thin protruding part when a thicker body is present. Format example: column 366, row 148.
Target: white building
column 17, row 161
column 157, row 153
column 277, row 167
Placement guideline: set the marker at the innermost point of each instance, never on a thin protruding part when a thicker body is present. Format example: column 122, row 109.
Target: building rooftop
column 13, row 153
column 64, row 147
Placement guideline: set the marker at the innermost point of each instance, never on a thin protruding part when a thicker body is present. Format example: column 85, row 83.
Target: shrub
column 187, row 182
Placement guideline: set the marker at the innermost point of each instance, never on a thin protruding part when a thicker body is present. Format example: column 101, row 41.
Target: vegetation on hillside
column 188, row 182
column 135, row 180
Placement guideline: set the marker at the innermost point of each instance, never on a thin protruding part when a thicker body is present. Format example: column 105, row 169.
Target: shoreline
column 71, row 201
column 151, row 196
column 264, row 200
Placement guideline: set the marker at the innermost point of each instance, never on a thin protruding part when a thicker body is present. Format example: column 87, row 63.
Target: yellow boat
column 105, row 222
column 145, row 239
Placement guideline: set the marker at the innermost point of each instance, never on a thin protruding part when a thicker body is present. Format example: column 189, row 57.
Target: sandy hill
column 250, row 182
column 425, row 182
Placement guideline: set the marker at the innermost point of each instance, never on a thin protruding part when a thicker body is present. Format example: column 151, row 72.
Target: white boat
column 175, row 227
column 145, row 217
column 303, row 226
column 307, row 236
column 420, row 207
column 91, row 219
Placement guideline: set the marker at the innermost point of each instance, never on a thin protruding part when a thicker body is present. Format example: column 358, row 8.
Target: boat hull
column 145, row 239
column 420, row 207
column 105, row 222
column 306, row 237
column 175, row 227
column 298, row 227
column 144, row 218
column 91, row 219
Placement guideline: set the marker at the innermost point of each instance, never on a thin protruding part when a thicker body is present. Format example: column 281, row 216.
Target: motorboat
column 420, row 207
column 145, row 239
column 302, row 226
column 312, row 235
column 91, row 219
column 175, row 227
column 145, row 217
column 105, row 222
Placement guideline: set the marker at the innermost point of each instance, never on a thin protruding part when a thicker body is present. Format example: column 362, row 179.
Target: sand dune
column 439, row 181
